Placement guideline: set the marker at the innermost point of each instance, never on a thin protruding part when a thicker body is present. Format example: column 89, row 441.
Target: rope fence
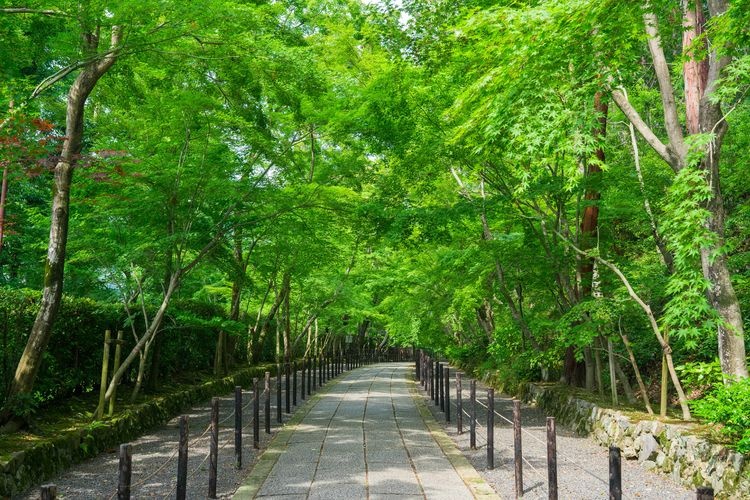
column 313, row 372
column 433, row 376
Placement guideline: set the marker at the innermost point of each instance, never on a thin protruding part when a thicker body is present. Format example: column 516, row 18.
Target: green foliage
column 698, row 375
column 688, row 313
column 729, row 405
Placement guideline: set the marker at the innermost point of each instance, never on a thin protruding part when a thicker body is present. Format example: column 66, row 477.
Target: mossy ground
column 77, row 413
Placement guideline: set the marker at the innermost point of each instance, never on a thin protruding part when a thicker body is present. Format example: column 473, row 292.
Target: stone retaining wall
column 56, row 454
column 669, row 448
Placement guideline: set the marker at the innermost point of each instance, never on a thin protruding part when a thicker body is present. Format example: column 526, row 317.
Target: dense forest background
column 540, row 190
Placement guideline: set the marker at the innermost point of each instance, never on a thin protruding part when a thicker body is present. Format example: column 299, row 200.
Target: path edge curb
column 468, row 474
column 262, row 467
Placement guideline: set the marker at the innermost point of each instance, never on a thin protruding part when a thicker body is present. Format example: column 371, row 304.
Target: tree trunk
column 590, row 219
column 705, row 116
column 626, row 387
column 638, row 378
column 219, row 354
column 664, row 387
column 31, row 359
column 612, row 374
column 588, row 362
column 286, row 317
column 598, row 368
column 3, row 196
column 253, row 333
column 267, row 322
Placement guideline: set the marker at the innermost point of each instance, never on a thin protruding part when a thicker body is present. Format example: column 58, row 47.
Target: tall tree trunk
column 588, row 361
column 705, row 116
column 589, row 232
column 3, row 197
column 286, row 318
column 253, row 334
column 31, row 359
column 590, row 219
column 612, row 374
column 271, row 314
column 626, row 387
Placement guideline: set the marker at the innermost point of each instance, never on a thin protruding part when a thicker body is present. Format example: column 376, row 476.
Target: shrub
column 72, row 360
column 729, row 405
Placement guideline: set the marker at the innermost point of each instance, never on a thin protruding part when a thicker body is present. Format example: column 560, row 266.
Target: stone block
column 649, row 448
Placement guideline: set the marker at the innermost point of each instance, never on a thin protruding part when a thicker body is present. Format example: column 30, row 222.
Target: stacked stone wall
column 670, row 448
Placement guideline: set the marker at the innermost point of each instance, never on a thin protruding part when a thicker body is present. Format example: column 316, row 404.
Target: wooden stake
column 105, row 374
column 118, row 353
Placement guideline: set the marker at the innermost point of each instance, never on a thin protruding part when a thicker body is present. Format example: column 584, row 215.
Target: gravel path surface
column 582, row 465
column 155, row 456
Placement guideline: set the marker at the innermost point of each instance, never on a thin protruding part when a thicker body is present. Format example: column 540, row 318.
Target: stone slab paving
column 367, row 435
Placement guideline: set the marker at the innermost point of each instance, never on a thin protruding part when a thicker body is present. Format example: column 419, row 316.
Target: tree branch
column 666, row 152
column 661, row 68
column 26, row 10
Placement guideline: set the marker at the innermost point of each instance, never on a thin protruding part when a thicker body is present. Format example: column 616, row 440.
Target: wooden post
column 615, row 474
column 238, row 427
column 302, row 379
column 294, row 383
column 704, row 493
column 459, row 406
column 441, row 386
column 267, row 386
column 287, row 394
column 125, row 472
column 490, row 429
column 473, row 418
column 278, row 394
column 309, row 377
column 428, row 371
column 118, row 353
column 105, row 374
column 182, row 458
column 431, row 369
column 48, row 492
column 447, row 384
column 552, row 458
column 417, row 376
column 256, row 414
column 313, row 370
column 320, row 371
column 213, row 452
column 518, row 452
column 438, row 385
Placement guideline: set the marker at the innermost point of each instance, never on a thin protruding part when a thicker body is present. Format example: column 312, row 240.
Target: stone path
column 368, row 435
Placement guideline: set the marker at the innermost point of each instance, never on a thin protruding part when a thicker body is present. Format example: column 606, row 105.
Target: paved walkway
column 367, row 435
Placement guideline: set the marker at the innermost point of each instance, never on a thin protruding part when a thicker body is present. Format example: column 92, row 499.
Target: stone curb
column 265, row 463
column 478, row 486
